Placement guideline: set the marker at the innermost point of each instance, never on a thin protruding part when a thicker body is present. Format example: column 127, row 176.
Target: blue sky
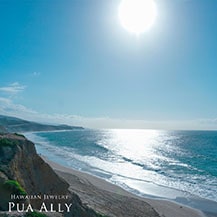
column 70, row 61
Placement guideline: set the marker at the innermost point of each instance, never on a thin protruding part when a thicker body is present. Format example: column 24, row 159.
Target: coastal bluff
column 25, row 178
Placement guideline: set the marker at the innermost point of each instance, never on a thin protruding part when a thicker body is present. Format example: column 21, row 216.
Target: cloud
column 35, row 74
column 12, row 89
column 211, row 122
column 8, row 107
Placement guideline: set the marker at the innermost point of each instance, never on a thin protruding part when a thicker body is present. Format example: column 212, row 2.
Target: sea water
column 162, row 164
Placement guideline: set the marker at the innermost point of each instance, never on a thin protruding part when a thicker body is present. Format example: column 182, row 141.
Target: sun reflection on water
column 139, row 146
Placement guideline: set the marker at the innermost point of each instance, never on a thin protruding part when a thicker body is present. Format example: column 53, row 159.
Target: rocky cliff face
column 19, row 161
column 23, row 172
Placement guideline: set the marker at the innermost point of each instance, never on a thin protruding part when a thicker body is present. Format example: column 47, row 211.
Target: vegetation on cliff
column 35, row 214
column 7, row 142
column 15, row 187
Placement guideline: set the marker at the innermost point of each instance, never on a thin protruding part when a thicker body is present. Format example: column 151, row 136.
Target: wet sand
column 112, row 200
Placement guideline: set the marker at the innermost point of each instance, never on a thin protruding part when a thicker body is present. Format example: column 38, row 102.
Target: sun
column 137, row 16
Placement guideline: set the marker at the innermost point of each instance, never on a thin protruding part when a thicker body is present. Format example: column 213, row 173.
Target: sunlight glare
column 137, row 16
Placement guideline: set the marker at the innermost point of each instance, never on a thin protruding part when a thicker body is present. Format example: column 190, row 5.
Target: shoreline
column 81, row 182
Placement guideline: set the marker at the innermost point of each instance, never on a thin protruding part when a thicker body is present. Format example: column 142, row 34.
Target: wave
column 143, row 175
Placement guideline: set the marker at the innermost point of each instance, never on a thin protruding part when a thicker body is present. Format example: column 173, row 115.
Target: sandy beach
column 111, row 200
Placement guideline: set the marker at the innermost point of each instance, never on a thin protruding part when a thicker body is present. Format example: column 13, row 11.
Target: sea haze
column 162, row 164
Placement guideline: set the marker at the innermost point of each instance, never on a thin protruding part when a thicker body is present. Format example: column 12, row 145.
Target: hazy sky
column 71, row 61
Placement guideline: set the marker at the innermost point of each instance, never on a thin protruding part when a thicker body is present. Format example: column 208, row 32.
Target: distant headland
column 13, row 124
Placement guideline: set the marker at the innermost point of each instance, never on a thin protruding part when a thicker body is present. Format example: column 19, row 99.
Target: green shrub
column 14, row 186
column 6, row 142
column 35, row 214
column 21, row 135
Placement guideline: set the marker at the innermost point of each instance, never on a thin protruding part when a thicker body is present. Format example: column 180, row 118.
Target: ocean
column 174, row 165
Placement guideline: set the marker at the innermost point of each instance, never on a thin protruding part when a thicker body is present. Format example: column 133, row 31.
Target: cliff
column 23, row 172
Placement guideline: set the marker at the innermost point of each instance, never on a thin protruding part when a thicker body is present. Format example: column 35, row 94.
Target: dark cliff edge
column 24, row 173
